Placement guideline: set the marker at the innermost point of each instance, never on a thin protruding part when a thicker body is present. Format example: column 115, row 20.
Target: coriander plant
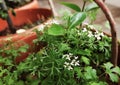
column 74, row 54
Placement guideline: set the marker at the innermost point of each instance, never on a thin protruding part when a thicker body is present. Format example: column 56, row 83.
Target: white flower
column 66, row 63
column 90, row 34
column 70, row 68
column 53, row 21
column 84, row 29
column 34, row 58
column 73, row 60
column 102, row 34
column 96, row 32
column 70, row 54
column 77, row 63
column 65, row 66
column 91, row 26
column 68, row 57
column 72, row 63
column 98, row 38
column 76, row 57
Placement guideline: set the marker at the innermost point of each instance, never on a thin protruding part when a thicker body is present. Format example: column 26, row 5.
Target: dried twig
column 113, row 30
column 52, row 7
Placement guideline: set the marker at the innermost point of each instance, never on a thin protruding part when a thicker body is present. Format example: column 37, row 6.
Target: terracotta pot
column 33, row 4
column 25, row 16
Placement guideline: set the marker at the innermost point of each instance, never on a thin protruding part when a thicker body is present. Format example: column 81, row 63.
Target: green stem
column 83, row 7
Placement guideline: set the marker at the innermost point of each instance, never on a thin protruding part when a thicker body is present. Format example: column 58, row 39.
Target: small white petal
column 102, row 34
column 76, row 57
column 70, row 68
column 98, row 38
column 66, row 63
column 77, row 64
column 84, row 29
column 68, row 57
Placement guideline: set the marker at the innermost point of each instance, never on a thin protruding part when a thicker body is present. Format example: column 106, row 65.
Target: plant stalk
column 113, row 30
column 83, row 7
column 52, row 8
column 8, row 19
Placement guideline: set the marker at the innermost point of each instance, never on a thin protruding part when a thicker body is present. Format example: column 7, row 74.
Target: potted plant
column 73, row 54
column 24, row 15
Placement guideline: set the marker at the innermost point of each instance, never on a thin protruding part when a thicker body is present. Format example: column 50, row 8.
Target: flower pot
column 25, row 16
column 33, row 4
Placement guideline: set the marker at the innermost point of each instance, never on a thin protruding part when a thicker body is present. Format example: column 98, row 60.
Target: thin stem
column 83, row 7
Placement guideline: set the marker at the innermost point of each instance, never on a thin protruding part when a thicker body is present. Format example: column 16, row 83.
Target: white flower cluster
column 71, row 61
column 52, row 21
column 95, row 34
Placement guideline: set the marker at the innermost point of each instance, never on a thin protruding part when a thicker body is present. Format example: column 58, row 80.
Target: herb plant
column 75, row 54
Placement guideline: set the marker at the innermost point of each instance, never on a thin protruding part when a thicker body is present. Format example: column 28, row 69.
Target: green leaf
column 90, row 74
column 56, row 30
column 97, row 83
column 112, row 71
column 72, row 6
column 77, row 19
column 91, row 7
column 113, row 77
column 64, row 47
column 24, row 48
column 85, row 60
column 78, row 72
column 85, row 52
column 20, row 83
column 108, row 66
column 116, row 70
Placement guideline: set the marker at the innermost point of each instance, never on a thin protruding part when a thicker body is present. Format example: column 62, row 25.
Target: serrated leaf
column 85, row 52
column 77, row 19
column 64, row 47
column 56, row 30
column 85, row 60
column 90, row 74
column 78, row 72
column 91, row 6
column 72, row 6
column 116, row 70
column 108, row 65
column 113, row 77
